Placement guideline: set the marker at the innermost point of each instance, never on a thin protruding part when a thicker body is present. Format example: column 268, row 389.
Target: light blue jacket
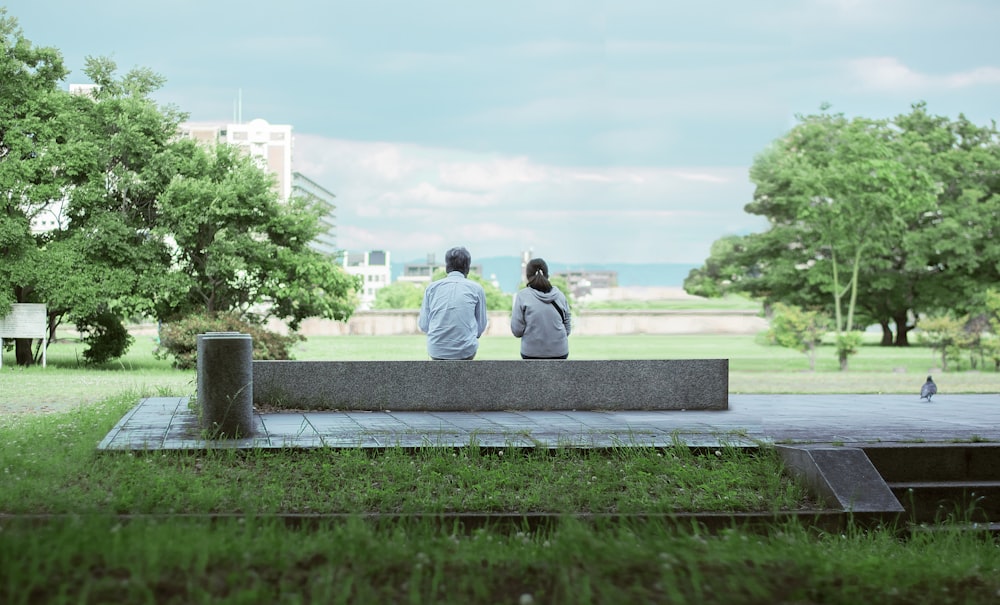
column 453, row 315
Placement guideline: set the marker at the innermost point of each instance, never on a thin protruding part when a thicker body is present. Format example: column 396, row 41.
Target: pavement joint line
column 761, row 419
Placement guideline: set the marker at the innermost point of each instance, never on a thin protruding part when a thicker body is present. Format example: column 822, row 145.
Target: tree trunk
column 902, row 330
column 886, row 333
column 22, row 352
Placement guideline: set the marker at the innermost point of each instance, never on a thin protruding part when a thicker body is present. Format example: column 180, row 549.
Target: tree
column 874, row 221
column 74, row 165
column 945, row 334
column 400, row 295
column 851, row 192
column 496, row 299
column 991, row 344
column 795, row 328
column 30, row 110
column 720, row 271
column 106, row 172
column 235, row 246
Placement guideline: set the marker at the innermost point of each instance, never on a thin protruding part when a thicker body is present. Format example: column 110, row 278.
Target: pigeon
column 927, row 391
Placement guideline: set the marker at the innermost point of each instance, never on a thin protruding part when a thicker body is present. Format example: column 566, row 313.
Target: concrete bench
column 493, row 385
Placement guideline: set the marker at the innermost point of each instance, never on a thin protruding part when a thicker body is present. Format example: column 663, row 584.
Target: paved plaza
column 170, row 423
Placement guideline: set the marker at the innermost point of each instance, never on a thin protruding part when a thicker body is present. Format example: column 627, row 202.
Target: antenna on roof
column 239, row 114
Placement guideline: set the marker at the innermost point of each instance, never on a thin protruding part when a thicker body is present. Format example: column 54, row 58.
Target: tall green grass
column 98, row 560
column 50, row 465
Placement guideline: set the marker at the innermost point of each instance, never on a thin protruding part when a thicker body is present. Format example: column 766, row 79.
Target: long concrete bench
column 485, row 385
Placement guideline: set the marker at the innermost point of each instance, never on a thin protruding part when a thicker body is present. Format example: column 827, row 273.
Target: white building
column 269, row 144
column 374, row 268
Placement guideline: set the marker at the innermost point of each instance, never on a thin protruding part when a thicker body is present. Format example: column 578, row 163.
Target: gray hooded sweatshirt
column 542, row 321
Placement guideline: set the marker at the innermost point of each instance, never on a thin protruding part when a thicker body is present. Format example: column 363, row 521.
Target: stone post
column 225, row 383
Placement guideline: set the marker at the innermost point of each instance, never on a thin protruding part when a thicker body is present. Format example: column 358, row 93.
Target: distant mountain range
column 507, row 270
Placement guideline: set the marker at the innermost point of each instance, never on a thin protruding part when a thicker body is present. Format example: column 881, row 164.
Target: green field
column 755, row 367
column 350, row 526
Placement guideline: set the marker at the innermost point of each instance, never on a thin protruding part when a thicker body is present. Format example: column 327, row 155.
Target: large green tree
column 870, row 220
column 237, row 247
column 31, row 110
column 399, row 295
column 106, row 216
column 73, row 170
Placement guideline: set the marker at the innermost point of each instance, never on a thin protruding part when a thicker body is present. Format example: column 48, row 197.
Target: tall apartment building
column 270, row 145
column 374, row 268
column 303, row 186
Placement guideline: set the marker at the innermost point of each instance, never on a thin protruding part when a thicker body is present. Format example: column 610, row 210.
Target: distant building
column 271, row 147
column 83, row 89
column 303, row 186
column 269, row 144
column 582, row 282
column 51, row 215
column 424, row 272
column 374, row 268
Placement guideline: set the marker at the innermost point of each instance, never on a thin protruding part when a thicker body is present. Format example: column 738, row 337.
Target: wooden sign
column 25, row 320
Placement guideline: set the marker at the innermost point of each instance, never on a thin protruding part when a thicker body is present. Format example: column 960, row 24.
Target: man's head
column 458, row 259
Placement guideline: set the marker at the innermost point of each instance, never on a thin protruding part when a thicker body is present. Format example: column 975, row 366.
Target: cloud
column 498, row 205
column 413, row 61
column 489, row 174
column 891, row 74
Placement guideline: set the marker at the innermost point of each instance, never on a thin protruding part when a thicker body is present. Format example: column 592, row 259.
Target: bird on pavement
column 928, row 390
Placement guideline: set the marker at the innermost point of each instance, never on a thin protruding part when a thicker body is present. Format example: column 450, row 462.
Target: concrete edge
column 493, row 385
column 843, row 477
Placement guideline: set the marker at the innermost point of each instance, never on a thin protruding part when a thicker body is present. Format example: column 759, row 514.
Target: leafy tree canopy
column 131, row 220
column 399, row 295
column 235, row 246
column 870, row 220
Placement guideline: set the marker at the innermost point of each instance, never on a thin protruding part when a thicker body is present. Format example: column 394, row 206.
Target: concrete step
column 936, row 462
column 958, row 501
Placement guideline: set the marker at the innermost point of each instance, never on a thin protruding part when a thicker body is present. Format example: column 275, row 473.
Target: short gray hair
column 458, row 259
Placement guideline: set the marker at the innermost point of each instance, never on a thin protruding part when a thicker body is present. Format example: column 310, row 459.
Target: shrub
column 796, row 328
column 180, row 339
column 946, row 334
column 105, row 336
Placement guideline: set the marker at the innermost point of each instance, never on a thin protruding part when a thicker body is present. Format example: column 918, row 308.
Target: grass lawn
column 95, row 560
column 754, row 367
column 171, row 553
column 50, row 465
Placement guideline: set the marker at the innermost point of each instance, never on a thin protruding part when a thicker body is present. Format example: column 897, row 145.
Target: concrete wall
column 381, row 323
column 493, row 385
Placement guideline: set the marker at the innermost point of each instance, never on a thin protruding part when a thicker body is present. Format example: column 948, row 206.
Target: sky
column 585, row 131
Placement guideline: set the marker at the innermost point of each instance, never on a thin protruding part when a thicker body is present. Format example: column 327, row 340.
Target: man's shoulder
column 476, row 286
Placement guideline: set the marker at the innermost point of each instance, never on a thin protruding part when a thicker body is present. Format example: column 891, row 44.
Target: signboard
column 26, row 320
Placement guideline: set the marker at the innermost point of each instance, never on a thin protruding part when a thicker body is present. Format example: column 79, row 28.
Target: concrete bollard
column 225, row 383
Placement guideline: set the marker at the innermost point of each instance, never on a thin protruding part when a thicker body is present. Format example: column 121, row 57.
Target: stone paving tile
column 295, row 441
column 297, row 425
column 168, row 423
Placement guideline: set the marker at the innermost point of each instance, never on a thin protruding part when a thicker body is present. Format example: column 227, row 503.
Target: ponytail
column 537, row 274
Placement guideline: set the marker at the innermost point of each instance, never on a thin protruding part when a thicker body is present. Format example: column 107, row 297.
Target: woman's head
column 537, row 274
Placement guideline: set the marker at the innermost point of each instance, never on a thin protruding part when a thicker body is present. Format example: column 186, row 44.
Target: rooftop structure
column 374, row 268
column 424, row 272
